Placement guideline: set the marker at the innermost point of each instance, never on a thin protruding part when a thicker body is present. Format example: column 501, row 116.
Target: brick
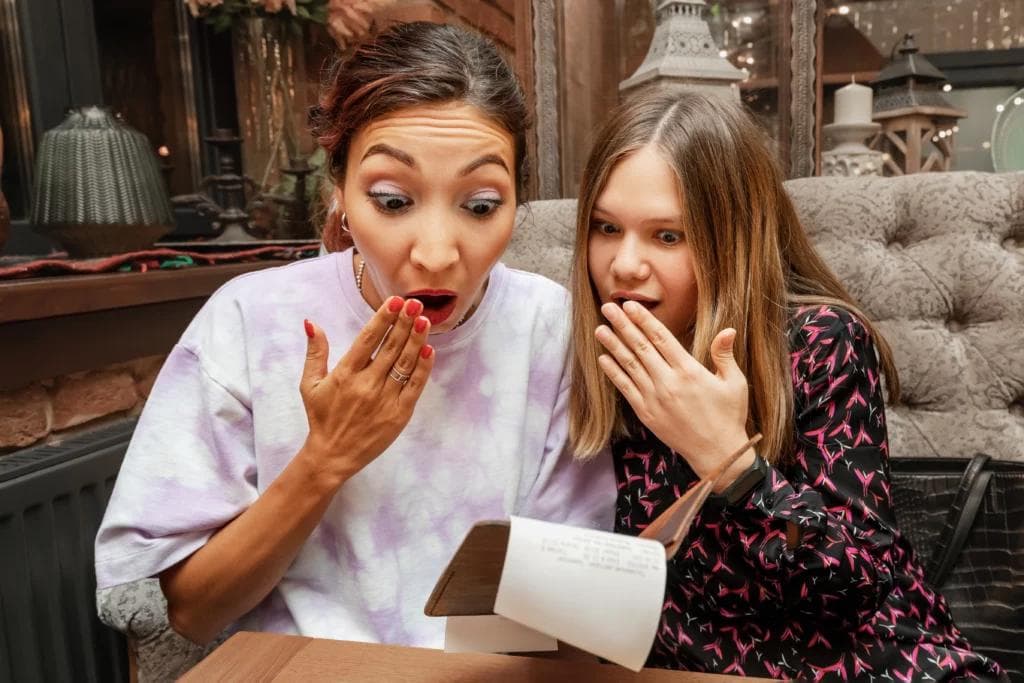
column 144, row 372
column 24, row 416
column 81, row 398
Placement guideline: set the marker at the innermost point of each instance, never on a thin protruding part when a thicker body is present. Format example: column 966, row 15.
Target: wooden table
column 274, row 657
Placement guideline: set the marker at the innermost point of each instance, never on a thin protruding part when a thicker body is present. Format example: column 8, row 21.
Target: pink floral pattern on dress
column 850, row 601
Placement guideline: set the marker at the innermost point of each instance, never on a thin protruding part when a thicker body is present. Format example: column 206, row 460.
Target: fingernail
column 413, row 308
column 395, row 304
column 420, row 324
column 427, row 351
column 309, row 328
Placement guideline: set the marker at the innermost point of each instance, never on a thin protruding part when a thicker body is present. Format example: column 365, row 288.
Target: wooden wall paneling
column 488, row 17
column 523, row 17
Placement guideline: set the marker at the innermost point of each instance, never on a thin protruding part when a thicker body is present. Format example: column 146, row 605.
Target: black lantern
column 918, row 123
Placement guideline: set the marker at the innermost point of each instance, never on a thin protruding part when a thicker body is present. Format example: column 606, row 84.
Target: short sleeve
column 190, row 467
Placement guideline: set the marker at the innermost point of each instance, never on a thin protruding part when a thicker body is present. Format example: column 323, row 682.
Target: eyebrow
column 402, row 157
column 388, row 150
column 483, row 161
column 659, row 220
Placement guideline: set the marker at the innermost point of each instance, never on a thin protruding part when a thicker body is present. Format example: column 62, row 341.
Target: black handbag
column 965, row 520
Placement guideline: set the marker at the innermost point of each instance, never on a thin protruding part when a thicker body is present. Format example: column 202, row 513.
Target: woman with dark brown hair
column 279, row 483
column 703, row 316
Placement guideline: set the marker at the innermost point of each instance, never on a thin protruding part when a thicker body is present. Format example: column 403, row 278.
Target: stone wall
column 47, row 411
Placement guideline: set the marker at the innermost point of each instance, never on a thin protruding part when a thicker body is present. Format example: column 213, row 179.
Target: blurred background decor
column 5, row 211
column 918, row 123
column 1008, row 134
column 271, row 86
column 98, row 186
column 683, row 55
column 851, row 127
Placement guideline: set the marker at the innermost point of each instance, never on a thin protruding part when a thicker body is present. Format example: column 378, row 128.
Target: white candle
column 853, row 104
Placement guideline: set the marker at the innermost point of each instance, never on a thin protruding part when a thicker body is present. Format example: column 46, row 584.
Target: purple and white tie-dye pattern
column 487, row 440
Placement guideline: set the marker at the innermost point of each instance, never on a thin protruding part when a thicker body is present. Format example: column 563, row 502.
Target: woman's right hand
column 357, row 409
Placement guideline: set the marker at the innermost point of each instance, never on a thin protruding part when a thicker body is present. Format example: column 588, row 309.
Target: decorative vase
column 270, row 81
column 98, row 186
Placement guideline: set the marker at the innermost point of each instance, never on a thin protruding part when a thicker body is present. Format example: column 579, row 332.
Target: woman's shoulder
column 253, row 304
column 825, row 324
column 826, row 340
column 281, row 281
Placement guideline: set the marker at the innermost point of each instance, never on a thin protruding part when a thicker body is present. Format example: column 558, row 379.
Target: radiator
column 52, row 499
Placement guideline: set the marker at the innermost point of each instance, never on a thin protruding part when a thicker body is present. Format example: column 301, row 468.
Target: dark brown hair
column 415, row 64
column 752, row 260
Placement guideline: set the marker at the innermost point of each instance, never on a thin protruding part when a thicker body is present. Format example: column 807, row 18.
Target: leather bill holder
column 468, row 586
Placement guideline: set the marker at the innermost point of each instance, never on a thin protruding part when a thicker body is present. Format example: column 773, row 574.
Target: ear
column 334, row 238
column 337, row 199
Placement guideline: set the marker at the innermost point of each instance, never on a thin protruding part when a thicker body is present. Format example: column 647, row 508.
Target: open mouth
column 619, row 300
column 438, row 306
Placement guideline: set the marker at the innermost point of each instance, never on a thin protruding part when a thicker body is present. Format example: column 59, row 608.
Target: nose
column 630, row 262
column 435, row 248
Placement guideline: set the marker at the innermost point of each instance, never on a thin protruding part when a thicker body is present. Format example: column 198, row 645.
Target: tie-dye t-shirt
column 487, row 440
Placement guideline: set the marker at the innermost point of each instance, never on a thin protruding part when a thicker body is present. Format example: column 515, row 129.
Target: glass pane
column 748, row 33
column 938, row 25
column 15, row 117
column 143, row 58
column 860, row 37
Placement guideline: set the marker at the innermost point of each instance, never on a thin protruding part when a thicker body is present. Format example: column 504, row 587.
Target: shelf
column 863, row 77
column 53, row 326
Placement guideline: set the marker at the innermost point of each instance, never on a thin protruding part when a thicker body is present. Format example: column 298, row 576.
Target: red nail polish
column 420, row 324
column 413, row 308
column 309, row 328
column 395, row 304
column 427, row 351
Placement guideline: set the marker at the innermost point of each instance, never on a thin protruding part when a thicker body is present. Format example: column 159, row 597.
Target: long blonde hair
column 752, row 260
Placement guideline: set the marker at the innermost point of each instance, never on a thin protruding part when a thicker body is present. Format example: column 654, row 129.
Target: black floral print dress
column 849, row 601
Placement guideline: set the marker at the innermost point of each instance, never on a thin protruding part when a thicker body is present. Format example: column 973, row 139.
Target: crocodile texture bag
column 965, row 519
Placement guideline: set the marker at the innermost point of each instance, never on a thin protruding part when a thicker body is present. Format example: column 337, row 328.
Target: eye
column 669, row 237
column 481, row 207
column 603, row 228
column 389, row 201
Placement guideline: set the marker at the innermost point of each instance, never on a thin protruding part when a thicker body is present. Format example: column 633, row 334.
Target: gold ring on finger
column 399, row 376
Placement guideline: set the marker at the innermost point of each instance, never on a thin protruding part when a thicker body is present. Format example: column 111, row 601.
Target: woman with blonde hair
column 703, row 316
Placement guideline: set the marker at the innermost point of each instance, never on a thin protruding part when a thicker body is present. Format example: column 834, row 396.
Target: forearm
column 838, row 567
column 243, row 562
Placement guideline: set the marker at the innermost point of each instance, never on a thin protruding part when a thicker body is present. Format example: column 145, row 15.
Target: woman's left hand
column 699, row 414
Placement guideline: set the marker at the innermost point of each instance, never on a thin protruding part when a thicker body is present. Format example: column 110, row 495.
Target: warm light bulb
column 163, row 151
column 947, row 87
column 844, row 9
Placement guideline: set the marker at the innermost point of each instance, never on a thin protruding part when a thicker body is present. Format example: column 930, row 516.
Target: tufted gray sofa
column 937, row 260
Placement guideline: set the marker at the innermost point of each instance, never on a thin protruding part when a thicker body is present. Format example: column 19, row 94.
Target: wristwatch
column 746, row 482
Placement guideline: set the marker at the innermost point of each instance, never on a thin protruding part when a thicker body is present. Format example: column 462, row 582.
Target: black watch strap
column 746, row 482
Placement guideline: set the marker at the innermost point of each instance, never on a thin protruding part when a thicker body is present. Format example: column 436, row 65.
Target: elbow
column 184, row 622
column 187, row 616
